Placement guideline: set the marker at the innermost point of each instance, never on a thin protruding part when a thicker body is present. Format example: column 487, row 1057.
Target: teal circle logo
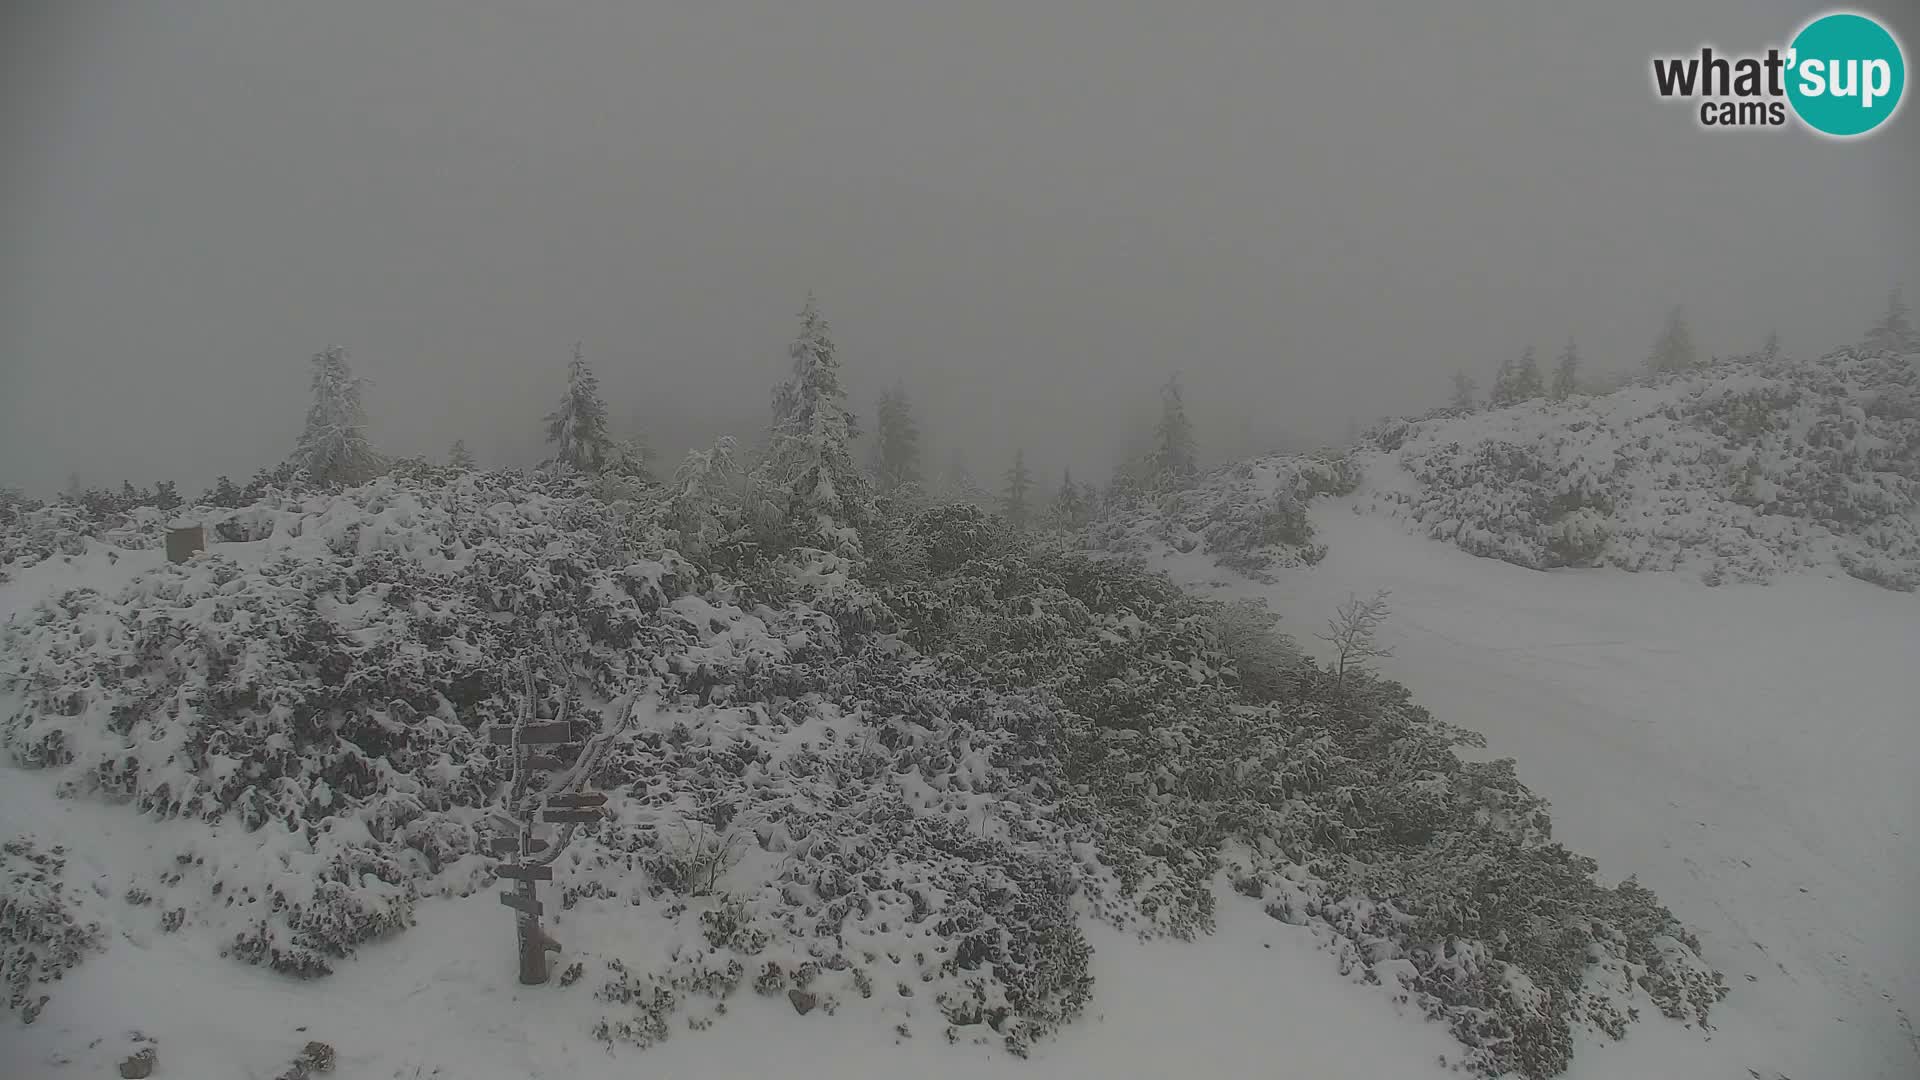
column 1845, row 74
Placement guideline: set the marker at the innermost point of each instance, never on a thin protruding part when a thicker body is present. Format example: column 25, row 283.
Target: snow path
column 1745, row 751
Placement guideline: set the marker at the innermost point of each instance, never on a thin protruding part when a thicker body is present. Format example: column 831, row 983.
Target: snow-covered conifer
column 1527, row 383
column 333, row 448
column 1894, row 333
column 1070, row 504
column 1502, row 393
column 578, row 428
column 705, row 490
column 1464, row 389
column 808, row 460
column 1013, row 497
column 224, row 493
column 1674, row 350
column 459, row 456
column 957, row 484
column 897, row 440
column 1566, row 373
column 1173, row 462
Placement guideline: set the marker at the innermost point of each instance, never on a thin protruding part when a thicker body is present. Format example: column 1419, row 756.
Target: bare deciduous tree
column 1351, row 633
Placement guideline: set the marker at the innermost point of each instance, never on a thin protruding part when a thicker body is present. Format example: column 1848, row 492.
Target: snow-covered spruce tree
column 459, row 457
column 705, row 505
column 957, row 484
column 578, row 428
column 1464, row 389
column 1674, row 350
column 1566, row 373
column 1527, row 383
column 1013, row 497
column 809, row 464
column 1770, row 350
column 333, row 448
column 1126, row 487
column 1070, row 504
column 1894, row 334
column 1501, row 395
column 224, row 492
column 897, row 440
column 1173, row 464
column 631, row 458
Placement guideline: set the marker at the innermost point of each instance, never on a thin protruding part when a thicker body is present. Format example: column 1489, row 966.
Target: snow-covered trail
column 1745, row 751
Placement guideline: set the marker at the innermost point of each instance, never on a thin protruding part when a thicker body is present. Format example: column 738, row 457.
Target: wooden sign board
column 544, row 762
column 565, row 817
column 525, row 904
column 524, row 873
column 557, row 731
column 578, row 799
column 507, row 845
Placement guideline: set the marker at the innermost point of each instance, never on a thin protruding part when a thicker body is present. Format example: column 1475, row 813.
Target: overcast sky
column 1030, row 211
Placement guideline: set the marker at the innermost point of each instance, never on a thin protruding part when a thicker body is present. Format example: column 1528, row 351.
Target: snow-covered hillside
column 909, row 788
column 1745, row 751
column 1736, row 472
column 1756, row 780
column 898, row 777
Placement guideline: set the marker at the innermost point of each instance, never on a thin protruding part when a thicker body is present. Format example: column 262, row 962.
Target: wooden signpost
column 526, row 866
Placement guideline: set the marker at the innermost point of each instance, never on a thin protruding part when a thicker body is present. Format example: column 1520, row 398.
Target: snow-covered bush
column 1251, row 517
column 132, row 518
column 1742, row 469
column 41, row 935
column 915, row 767
column 1327, row 787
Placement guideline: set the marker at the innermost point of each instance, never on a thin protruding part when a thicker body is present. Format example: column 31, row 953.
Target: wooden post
column 523, row 865
column 522, row 738
column 183, row 539
column 533, row 953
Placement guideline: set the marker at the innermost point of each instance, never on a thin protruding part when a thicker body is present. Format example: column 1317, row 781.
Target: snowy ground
column 1745, row 751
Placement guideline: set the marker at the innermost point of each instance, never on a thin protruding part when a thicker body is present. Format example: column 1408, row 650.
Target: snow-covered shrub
column 911, row 767
column 1251, row 517
column 36, row 532
column 1264, row 660
column 1744, row 468
column 327, row 691
column 1514, row 945
column 41, row 935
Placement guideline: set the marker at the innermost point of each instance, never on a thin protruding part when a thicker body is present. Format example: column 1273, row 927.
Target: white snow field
column 1746, row 751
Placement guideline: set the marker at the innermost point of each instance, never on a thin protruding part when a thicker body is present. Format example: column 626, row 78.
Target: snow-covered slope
column 350, row 626
column 1756, row 779
column 1746, row 751
column 1738, row 472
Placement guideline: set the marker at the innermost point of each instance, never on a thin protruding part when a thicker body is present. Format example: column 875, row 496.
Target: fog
column 1029, row 213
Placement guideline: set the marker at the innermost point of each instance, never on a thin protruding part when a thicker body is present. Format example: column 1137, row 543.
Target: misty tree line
column 805, row 465
column 807, row 453
column 1673, row 352
column 808, row 448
